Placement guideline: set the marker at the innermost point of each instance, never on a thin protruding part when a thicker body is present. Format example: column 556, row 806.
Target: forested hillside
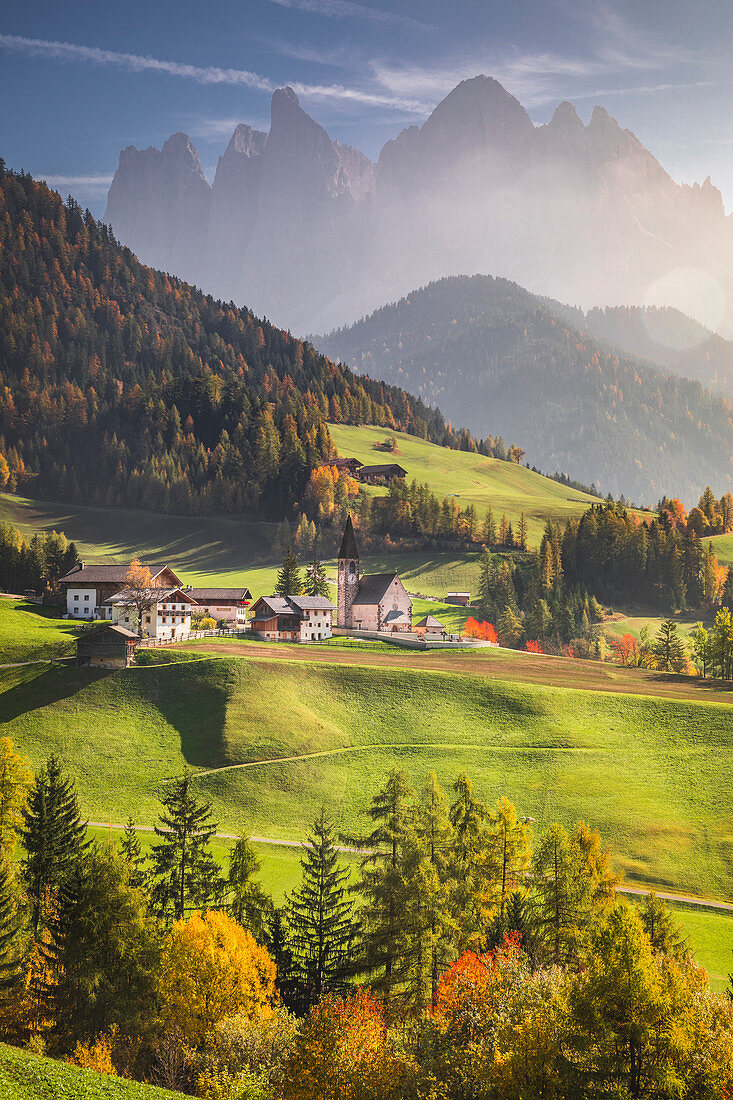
column 487, row 351
column 122, row 386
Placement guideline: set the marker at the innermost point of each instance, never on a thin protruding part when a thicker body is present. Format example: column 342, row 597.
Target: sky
column 79, row 81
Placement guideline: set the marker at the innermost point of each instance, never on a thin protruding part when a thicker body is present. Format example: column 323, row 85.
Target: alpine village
column 366, row 552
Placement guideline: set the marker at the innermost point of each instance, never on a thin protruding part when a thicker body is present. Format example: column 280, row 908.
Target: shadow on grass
column 695, row 682
column 192, row 697
column 39, row 689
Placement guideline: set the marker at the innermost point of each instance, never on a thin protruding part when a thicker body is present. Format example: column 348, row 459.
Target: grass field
column 273, row 740
column 25, row 1076
column 470, row 478
column 723, row 547
column 32, row 633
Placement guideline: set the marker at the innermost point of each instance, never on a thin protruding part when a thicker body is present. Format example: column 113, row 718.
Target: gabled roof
column 373, row 587
column 382, row 470
column 396, row 616
column 109, row 628
column 157, row 595
column 109, row 574
column 292, row 605
column 204, row 594
column 431, row 623
column 348, row 543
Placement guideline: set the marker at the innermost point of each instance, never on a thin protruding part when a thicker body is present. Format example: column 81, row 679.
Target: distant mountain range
column 313, row 234
column 573, row 386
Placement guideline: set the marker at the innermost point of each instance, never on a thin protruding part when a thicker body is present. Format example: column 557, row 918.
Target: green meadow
column 271, row 741
column 32, row 633
column 469, row 478
column 25, row 1076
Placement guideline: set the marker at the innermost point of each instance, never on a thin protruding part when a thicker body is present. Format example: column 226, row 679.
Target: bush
column 247, row 1050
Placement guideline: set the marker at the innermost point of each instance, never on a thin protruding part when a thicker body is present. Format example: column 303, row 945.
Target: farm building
column 87, row 587
column 374, row 601
column 373, row 475
column 109, row 646
column 163, row 613
column 460, row 599
column 430, row 627
column 229, row 604
column 292, row 618
column 353, row 465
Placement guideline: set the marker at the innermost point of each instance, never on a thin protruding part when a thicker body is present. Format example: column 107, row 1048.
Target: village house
column 227, row 604
column 160, row 613
column 292, row 618
column 108, row 646
column 87, row 587
column 374, row 475
column 430, row 628
column 374, row 601
column 459, row 599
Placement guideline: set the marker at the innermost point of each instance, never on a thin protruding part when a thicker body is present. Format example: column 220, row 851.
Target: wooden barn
column 374, row 475
column 108, row 646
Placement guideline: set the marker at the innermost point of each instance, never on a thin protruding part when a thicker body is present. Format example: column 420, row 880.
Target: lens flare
column 692, row 291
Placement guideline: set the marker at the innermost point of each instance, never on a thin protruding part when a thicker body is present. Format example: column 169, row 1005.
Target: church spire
column 348, row 543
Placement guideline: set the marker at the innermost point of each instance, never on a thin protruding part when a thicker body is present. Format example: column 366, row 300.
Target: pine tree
column 319, row 916
column 522, row 532
column 315, row 583
column 132, row 854
column 485, row 587
column 669, row 649
column 382, row 886
column 288, row 579
column 473, row 865
column 661, row 928
column 185, row 873
column 249, row 905
column 53, row 836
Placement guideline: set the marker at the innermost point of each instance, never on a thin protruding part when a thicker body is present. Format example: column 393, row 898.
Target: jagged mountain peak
column 566, row 118
column 246, row 141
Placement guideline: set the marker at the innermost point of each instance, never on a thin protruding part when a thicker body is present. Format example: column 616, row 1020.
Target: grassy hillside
column 25, row 1076
column 32, row 633
column 723, row 547
column 495, row 357
column 273, row 740
column 470, row 478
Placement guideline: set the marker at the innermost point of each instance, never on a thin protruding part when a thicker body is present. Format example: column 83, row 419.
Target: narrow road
column 684, row 899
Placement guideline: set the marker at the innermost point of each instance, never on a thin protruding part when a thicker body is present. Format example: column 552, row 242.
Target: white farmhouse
column 293, row 618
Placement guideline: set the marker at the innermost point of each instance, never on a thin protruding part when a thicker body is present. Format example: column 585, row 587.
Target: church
column 372, row 601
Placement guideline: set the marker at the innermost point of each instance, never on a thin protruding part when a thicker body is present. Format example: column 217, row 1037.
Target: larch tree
column 185, row 874
column 511, row 841
column 473, row 865
column 15, row 782
column 382, row 888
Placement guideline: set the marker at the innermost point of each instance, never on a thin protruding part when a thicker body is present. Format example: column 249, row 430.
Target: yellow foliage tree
column 15, row 782
column 212, row 968
column 96, row 1054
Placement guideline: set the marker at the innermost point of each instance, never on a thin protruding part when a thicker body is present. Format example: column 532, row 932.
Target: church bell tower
column 348, row 576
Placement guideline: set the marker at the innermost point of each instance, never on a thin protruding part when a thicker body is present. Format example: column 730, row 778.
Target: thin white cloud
column 76, row 181
column 137, row 63
column 348, row 9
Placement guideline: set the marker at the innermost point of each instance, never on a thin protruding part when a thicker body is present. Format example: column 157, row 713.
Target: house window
column 86, row 598
column 76, row 597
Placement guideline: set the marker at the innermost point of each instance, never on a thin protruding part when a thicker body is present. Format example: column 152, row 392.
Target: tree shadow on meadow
column 192, row 697
column 41, row 688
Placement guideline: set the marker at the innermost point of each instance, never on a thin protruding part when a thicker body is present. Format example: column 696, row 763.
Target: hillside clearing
column 25, row 1076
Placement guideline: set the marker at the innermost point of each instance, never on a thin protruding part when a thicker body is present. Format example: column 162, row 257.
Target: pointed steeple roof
column 348, row 543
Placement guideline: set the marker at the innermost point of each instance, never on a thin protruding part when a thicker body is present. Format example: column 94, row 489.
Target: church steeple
column 348, row 575
column 348, row 542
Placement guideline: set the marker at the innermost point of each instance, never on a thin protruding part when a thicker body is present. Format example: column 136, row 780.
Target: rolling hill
column 487, row 351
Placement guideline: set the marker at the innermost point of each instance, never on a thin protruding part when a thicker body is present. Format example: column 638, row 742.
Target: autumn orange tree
column 344, row 1051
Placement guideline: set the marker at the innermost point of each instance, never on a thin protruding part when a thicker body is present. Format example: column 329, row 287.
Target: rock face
column 159, row 205
column 311, row 233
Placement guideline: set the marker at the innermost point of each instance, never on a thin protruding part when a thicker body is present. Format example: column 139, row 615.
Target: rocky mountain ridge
column 315, row 235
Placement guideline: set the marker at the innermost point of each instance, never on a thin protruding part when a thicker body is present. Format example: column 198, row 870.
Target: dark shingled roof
column 110, row 628
column 373, row 587
column 293, row 605
column 107, row 574
column 214, row 594
column 348, row 543
column 382, row 470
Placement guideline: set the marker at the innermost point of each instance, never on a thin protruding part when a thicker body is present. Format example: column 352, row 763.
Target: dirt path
column 637, row 891
column 494, row 665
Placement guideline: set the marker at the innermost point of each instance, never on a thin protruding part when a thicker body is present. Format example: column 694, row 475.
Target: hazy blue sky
column 80, row 80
